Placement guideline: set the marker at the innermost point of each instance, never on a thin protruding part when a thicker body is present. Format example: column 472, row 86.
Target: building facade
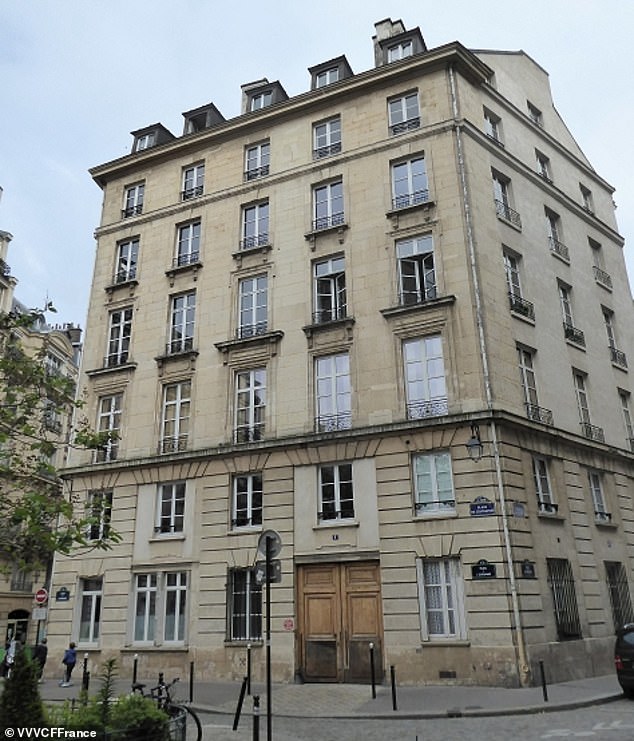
column 388, row 319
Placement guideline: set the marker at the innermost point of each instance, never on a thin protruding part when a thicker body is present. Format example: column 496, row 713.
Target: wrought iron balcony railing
column 249, row 434
column 333, row 422
column 256, row 172
column 183, row 344
column 559, row 248
column 244, row 521
column 329, row 315
column 257, row 240
column 115, row 359
column 173, row 444
column 251, row 330
column 504, row 211
column 187, row 258
column 132, row 210
column 601, row 277
column 428, row 408
column 618, row 357
column 400, row 128
column 446, row 505
column 602, row 516
column 427, row 293
column 521, row 306
column 406, row 200
column 547, row 508
column 191, row 192
column 327, row 222
column 592, row 432
column 327, row 151
column 336, row 514
column 539, row 414
column 574, row 335
column 123, row 276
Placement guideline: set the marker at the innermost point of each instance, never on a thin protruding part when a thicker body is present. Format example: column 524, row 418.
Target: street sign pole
column 269, row 703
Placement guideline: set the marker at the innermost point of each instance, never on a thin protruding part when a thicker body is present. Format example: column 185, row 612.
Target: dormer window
column 201, row 118
column 150, row 136
column 145, row 141
column 394, row 42
column 261, row 100
column 261, row 94
column 327, row 73
column 400, row 51
column 327, row 77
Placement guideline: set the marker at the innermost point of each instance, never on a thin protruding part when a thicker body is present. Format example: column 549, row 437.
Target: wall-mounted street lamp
column 474, row 444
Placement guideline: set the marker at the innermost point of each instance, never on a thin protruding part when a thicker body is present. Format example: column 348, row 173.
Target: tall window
column 619, row 591
column 127, row 260
column 586, row 198
column 601, row 513
column 133, row 199
column 330, row 290
column 433, row 484
column 582, row 398
column 328, row 205
column 562, row 584
column 336, row 493
column 170, row 510
column 545, row 498
column 403, row 113
column 119, row 335
column 529, row 386
column 193, row 181
column 518, row 304
column 624, row 398
column 416, row 270
column 333, row 393
column 188, row 244
column 327, row 138
column 244, row 606
column 425, row 387
column 493, row 126
column 145, row 591
column 257, row 160
column 175, row 604
column 441, row 597
column 554, row 232
column 542, row 165
column 90, row 610
column 409, row 183
column 182, row 317
column 160, row 602
column 109, row 421
column 617, row 356
column 502, row 198
column 99, row 512
column 175, row 417
column 250, row 405
column 246, row 509
column 255, row 225
column 598, row 265
column 570, row 331
column 534, row 114
column 253, row 309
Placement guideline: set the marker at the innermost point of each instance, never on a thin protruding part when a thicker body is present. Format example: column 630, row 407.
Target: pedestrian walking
column 40, row 652
column 10, row 657
column 69, row 661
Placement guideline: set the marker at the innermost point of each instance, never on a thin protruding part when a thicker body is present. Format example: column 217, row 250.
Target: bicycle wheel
column 198, row 732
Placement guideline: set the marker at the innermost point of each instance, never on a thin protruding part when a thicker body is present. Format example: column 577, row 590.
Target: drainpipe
column 524, row 669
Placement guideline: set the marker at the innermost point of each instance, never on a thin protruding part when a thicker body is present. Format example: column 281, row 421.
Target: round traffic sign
column 41, row 596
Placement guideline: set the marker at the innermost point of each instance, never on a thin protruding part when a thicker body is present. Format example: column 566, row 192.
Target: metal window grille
column 562, row 585
column 619, row 592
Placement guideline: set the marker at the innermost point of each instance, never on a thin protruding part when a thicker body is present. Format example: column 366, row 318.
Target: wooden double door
column 339, row 616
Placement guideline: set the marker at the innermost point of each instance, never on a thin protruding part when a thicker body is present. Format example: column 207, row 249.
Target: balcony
column 423, row 508
column 602, row 517
column 559, row 249
column 113, row 360
column 327, row 151
column 187, row 258
column 547, row 508
column 249, row 434
column 504, row 211
column 174, row 444
column 256, row 172
column 335, row 514
column 255, row 241
column 190, row 193
column 425, row 408
column 618, row 357
column 124, row 276
column 247, row 331
column 539, row 414
column 602, row 278
column 521, row 306
column 334, row 314
column 132, row 211
column 401, row 128
column 328, row 222
column 406, row 200
column 574, row 335
column 181, row 345
column 592, row 432
column 333, row 422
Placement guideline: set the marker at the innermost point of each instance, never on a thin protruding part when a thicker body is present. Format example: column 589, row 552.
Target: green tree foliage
column 37, row 518
column 20, row 703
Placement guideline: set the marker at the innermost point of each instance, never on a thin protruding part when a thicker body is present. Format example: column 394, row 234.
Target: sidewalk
column 355, row 700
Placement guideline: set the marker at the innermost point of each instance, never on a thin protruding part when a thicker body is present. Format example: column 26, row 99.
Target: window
column 570, row 331
column 619, row 592
column 624, row 398
column 543, row 166
column 253, row 306
column 99, row 511
column 493, row 126
column 119, row 336
column 127, row 260
column 250, row 405
column 175, row 417
column 601, row 513
column 512, row 271
column 246, row 509
column 327, row 77
column 109, row 421
column 90, row 610
column 193, row 181
column 170, row 510
column 598, row 266
column 534, row 114
column 502, row 198
column 145, row 141
column 244, row 606
column 336, row 496
column 255, row 225
column 582, row 397
column 433, row 484
column 617, row 356
column 133, row 199
column 330, row 290
column 333, row 393
column 545, row 500
column 403, row 113
column 586, row 198
column 409, row 183
column 182, row 316
column 256, row 161
column 328, row 205
column 553, row 230
column 425, row 387
column 261, row 100
column 160, row 607
column 529, row 387
column 562, row 584
column 400, row 51
column 441, row 597
column 327, row 138
column 416, row 270
column 188, row 244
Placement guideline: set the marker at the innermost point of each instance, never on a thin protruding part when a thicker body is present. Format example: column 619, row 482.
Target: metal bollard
column 393, row 678
column 372, row 675
column 256, row 717
column 135, row 667
column 191, row 681
column 236, row 717
column 544, row 688
column 248, row 668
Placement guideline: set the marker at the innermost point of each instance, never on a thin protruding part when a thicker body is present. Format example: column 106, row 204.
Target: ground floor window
column 244, row 602
column 160, row 607
column 619, row 591
column 90, row 610
column 562, row 584
column 441, row 598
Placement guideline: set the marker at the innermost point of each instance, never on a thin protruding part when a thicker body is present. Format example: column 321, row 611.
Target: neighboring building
column 299, row 318
column 61, row 345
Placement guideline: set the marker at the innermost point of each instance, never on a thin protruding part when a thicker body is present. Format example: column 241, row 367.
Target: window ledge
column 268, row 338
column 522, row 317
column 394, row 311
column 194, row 267
column 436, row 514
column 166, row 536
column 346, row 323
column 110, row 369
column 244, row 530
column 551, row 516
column 260, row 249
column 606, row 524
column 338, row 229
column 445, row 642
column 345, row 522
column 243, row 642
column 576, row 345
column 131, row 284
column 430, row 203
column 151, row 648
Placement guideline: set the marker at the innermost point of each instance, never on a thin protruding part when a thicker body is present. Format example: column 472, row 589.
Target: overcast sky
column 76, row 76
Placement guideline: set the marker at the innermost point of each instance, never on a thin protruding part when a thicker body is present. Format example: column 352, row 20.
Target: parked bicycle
column 162, row 695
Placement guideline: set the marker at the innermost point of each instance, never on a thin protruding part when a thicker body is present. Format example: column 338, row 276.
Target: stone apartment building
column 387, row 318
